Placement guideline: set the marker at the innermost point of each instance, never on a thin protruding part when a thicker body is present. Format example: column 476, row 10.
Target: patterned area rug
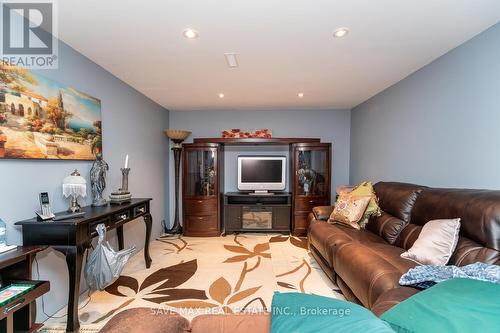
column 195, row 276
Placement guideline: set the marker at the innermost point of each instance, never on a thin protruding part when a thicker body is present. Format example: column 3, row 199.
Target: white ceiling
column 283, row 46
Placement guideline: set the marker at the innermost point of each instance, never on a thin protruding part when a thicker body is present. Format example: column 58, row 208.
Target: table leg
column 119, row 233
column 148, row 220
column 74, row 260
column 10, row 322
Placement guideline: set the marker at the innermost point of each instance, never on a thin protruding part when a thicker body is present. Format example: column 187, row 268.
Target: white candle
column 126, row 161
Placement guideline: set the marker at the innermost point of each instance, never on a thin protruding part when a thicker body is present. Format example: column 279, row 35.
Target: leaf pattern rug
column 194, row 275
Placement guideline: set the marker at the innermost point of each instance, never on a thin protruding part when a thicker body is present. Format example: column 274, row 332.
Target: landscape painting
column 42, row 119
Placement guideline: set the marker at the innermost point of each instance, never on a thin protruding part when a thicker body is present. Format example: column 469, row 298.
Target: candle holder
column 122, row 195
column 125, row 172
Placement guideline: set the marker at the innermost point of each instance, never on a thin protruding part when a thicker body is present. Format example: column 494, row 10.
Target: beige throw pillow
column 436, row 243
column 349, row 210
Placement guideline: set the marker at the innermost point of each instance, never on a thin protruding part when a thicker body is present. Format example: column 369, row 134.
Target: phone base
column 42, row 217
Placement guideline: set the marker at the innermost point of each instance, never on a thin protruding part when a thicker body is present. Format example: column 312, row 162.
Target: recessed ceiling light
column 190, row 33
column 300, row 95
column 221, row 95
column 340, row 32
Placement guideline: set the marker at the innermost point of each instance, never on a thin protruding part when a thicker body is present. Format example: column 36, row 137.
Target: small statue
column 306, row 178
column 98, row 180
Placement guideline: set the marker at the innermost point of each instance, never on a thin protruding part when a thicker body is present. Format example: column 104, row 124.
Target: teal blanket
column 303, row 313
column 452, row 306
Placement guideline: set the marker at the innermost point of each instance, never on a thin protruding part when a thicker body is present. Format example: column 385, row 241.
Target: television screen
column 261, row 173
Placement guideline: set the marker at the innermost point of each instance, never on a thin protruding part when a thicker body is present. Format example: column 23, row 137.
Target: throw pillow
column 297, row 312
column 436, row 243
column 366, row 189
column 457, row 305
column 349, row 210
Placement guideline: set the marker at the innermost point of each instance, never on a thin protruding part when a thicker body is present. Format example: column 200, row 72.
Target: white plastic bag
column 104, row 264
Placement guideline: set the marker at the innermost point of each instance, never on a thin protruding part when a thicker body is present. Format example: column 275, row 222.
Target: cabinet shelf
column 201, row 187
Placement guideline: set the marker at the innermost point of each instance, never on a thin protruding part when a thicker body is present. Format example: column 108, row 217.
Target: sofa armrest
column 322, row 213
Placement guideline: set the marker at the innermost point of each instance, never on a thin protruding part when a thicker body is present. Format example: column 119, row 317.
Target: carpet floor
column 194, row 276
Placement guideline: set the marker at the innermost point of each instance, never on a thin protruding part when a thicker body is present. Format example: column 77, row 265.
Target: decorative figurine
column 98, row 180
column 306, row 178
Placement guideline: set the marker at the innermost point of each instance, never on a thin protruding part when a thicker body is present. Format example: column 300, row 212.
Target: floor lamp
column 177, row 136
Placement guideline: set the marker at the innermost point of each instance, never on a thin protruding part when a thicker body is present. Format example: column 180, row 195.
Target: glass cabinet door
column 201, row 178
column 312, row 170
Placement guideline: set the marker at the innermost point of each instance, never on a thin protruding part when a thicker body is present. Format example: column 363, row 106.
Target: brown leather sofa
column 366, row 264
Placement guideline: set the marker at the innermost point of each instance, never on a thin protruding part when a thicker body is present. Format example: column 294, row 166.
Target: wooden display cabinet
column 201, row 189
column 311, row 179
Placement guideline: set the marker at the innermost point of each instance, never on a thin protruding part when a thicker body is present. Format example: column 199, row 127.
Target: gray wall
column 437, row 127
column 329, row 125
column 132, row 124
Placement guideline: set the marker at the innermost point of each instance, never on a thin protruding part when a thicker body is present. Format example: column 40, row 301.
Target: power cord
column 43, row 300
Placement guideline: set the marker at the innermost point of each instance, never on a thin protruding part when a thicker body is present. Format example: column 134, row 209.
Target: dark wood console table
column 72, row 237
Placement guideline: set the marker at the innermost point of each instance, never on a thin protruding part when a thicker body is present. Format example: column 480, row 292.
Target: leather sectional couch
column 366, row 264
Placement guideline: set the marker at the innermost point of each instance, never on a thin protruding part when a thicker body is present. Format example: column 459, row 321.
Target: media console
column 204, row 205
column 244, row 212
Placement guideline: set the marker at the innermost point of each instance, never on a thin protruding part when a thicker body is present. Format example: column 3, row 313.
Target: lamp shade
column 177, row 135
column 74, row 185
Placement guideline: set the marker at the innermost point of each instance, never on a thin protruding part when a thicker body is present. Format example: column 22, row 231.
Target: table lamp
column 74, row 186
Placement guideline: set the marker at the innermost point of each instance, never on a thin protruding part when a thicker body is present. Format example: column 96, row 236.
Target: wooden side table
column 15, row 267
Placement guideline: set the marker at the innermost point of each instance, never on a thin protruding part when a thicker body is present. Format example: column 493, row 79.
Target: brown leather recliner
column 366, row 264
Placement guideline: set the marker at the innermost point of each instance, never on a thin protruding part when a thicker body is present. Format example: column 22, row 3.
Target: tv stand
column 264, row 212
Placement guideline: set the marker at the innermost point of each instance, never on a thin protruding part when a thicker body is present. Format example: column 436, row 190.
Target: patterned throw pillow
column 349, row 210
column 366, row 189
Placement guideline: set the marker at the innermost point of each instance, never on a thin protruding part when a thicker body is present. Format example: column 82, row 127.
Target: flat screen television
column 261, row 173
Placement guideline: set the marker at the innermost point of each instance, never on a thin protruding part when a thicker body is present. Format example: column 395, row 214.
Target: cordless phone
column 45, row 212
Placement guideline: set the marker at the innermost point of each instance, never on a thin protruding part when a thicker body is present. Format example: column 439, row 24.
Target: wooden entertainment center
column 206, row 210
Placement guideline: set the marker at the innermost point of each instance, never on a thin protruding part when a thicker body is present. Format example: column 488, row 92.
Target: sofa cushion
column 397, row 199
column 478, row 210
column 371, row 269
column 408, row 236
column 391, row 298
column 327, row 238
column 234, row 323
column 386, row 226
column 468, row 252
